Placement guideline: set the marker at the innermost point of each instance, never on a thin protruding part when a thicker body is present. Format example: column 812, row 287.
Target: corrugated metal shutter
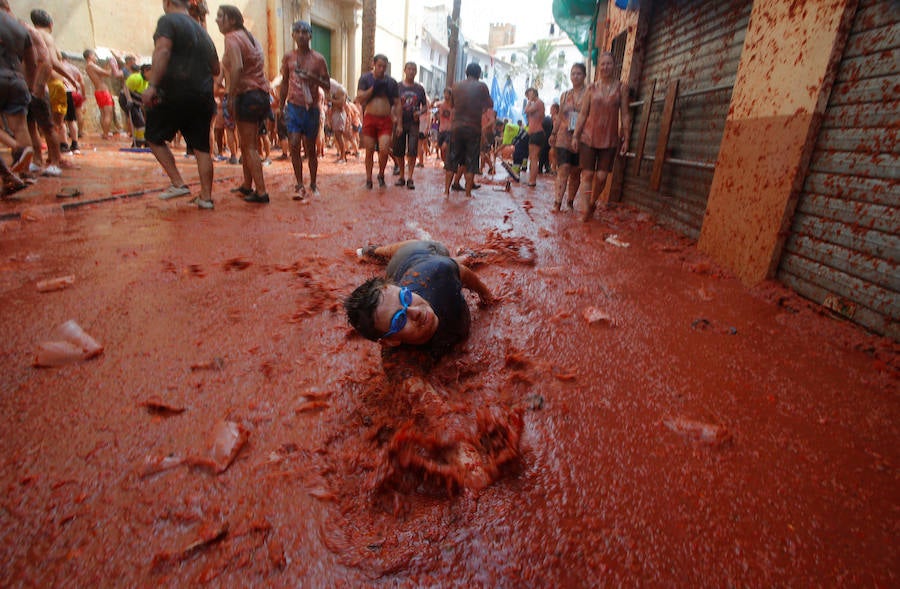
column 844, row 246
column 699, row 44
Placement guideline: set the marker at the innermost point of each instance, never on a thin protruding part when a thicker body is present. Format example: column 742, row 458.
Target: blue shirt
column 428, row 270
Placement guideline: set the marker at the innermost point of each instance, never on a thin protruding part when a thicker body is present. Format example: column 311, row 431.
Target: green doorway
column 321, row 42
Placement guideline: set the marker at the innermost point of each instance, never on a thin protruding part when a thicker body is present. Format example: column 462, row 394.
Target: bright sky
column 531, row 17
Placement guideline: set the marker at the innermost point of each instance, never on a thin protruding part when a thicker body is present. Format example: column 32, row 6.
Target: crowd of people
column 211, row 103
column 226, row 110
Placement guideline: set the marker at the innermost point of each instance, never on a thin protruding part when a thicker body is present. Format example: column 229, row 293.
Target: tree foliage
column 541, row 65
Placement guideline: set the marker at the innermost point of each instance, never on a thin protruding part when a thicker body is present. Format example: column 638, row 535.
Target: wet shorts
column 302, row 120
column 253, row 106
column 70, row 107
column 564, row 157
column 58, row 100
column 538, row 138
column 77, row 98
column 227, row 113
column 595, row 159
column 192, row 115
column 465, row 146
column 443, row 138
column 407, row 141
column 39, row 112
column 103, row 98
column 377, row 126
column 14, row 95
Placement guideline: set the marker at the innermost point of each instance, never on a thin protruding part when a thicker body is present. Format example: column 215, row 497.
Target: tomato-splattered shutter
column 844, row 241
column 697, row 44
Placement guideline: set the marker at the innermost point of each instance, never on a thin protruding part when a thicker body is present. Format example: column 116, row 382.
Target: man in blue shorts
column 180, row 97
column 303, row 72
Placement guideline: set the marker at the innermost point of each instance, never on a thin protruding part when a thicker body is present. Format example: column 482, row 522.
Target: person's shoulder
column 168, row 24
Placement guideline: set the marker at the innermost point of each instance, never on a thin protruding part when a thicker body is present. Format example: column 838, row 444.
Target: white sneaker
column 34, row 168
column 174, row 192
column 205, row 204
column 52, row 171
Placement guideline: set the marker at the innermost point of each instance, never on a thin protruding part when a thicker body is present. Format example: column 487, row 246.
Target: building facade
column 767, row 132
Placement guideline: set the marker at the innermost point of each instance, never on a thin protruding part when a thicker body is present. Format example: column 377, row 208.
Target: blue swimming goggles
column 398, row 321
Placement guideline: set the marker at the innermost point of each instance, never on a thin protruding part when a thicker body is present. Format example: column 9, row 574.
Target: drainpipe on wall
column 405, row 30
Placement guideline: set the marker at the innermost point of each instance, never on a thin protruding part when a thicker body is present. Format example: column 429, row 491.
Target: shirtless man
column 379, row 96
column 535, row 111
column 445, row 118
column 354, row 126
column 98, row 75
column 304, row 73
column 74, row 107
column 470, row 99
column 47, row 80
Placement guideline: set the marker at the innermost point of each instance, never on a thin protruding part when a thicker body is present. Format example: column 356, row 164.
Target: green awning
column 577, row 18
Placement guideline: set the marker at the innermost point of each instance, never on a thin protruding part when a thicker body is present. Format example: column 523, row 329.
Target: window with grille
column 618, row 51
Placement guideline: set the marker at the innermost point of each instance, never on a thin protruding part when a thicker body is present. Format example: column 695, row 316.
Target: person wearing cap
column 303, row 72
column 379, row 96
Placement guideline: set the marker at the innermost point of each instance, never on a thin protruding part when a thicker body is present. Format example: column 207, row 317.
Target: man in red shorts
column 102, row 95
column 379, row 96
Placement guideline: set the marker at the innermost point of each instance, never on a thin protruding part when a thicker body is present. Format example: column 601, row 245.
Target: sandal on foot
column 410, row 185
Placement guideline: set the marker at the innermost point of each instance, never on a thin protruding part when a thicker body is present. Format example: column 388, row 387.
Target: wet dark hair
column 41, row 18
column 580, row 66
column 88, row 52
column 473, row 70
column 233, row 13
column 380, row 57
column 361, row 304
